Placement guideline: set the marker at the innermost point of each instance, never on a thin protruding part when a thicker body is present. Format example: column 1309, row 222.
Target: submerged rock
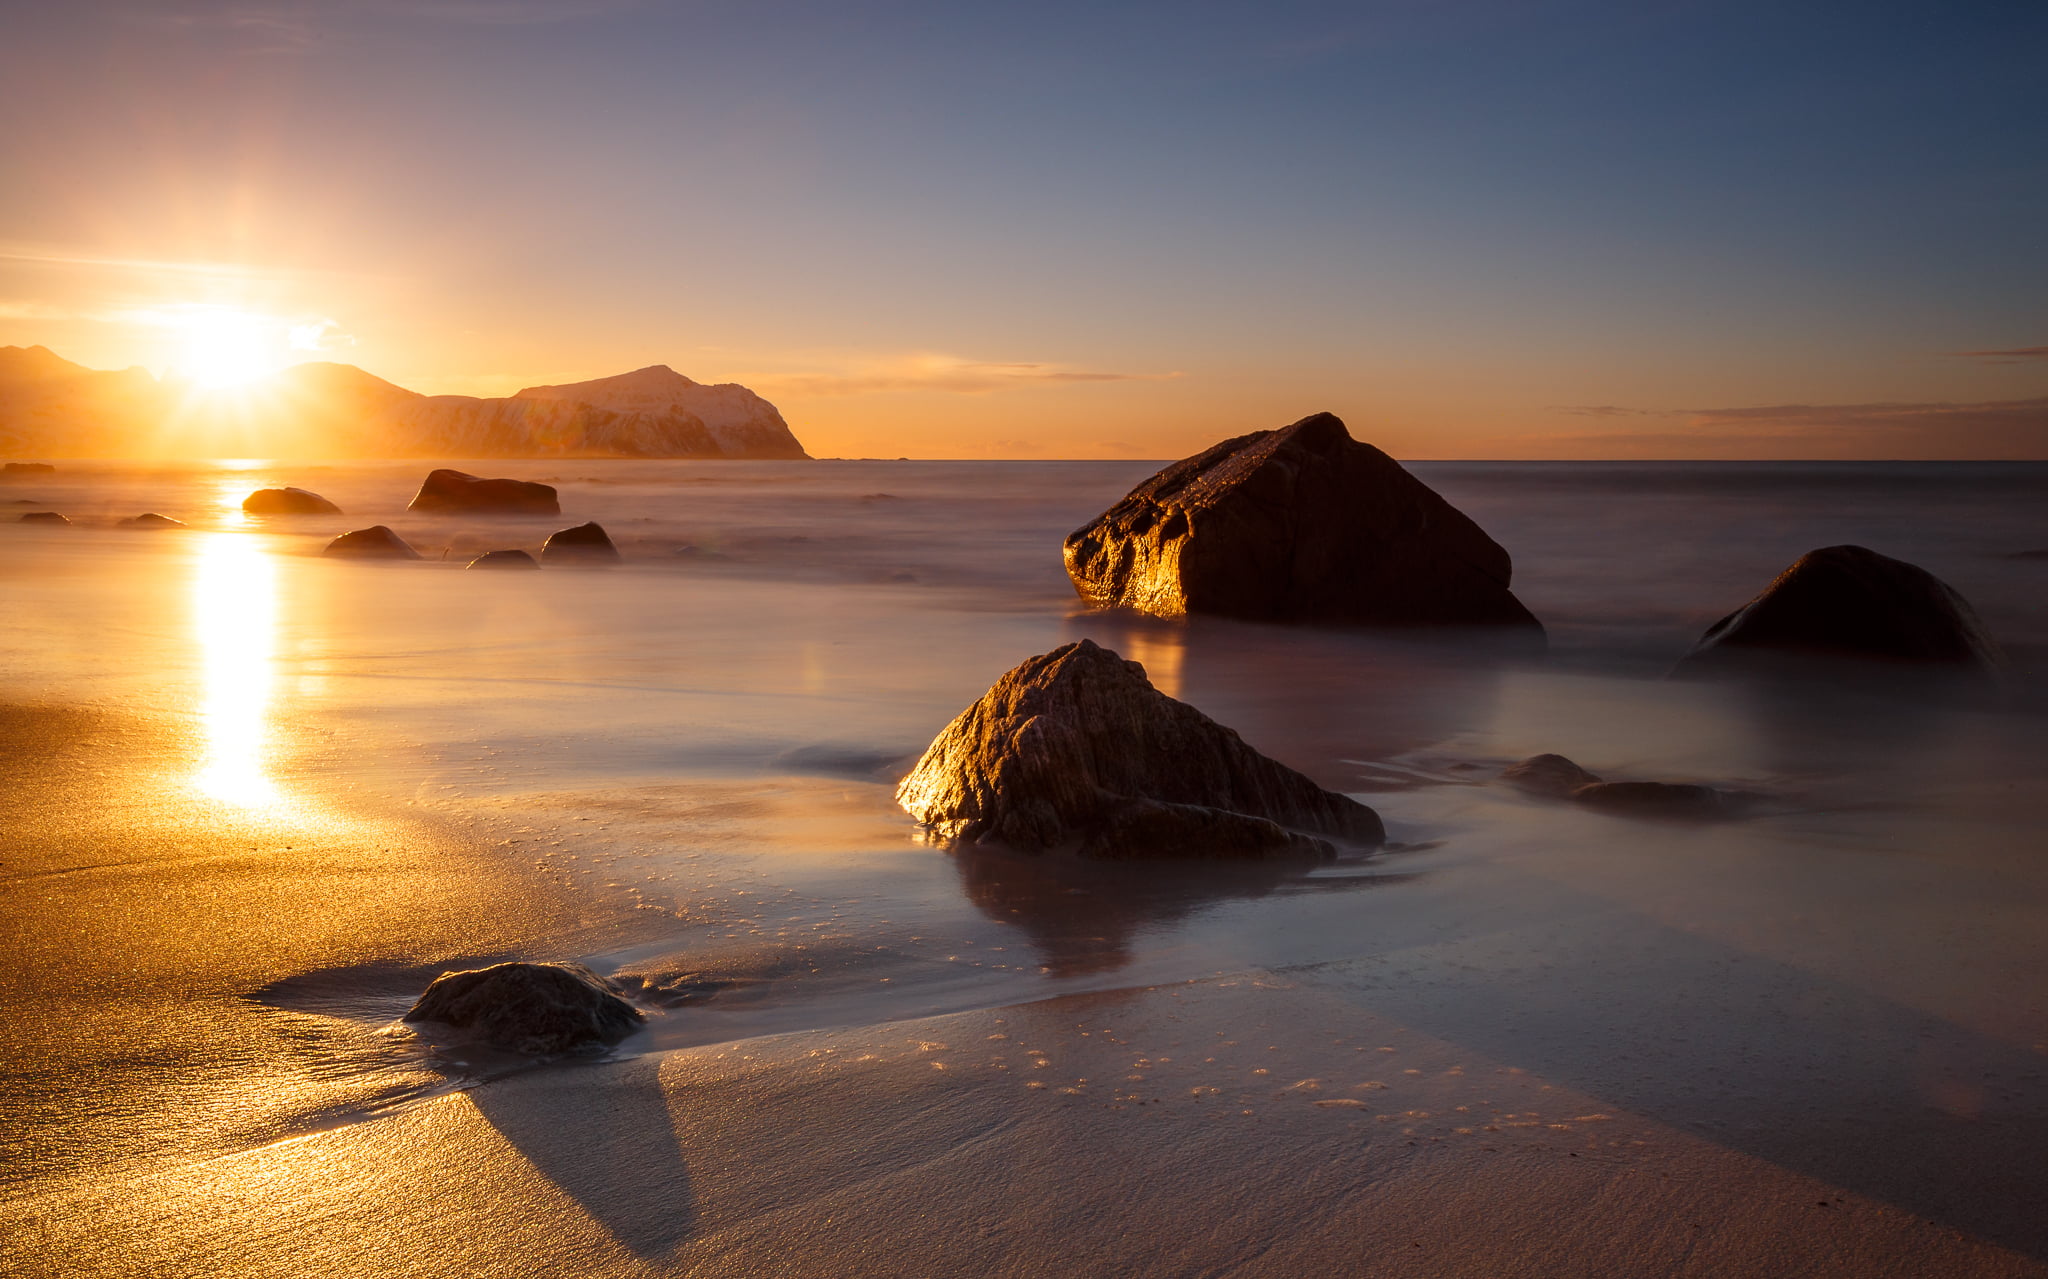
column 1846, row 601
column 288, row 501
column 1302, row 524
column 503, row 559
column 150, row 519
column 1559, row 778
column 584, row 544
column 43, row 517
column 1547, row 775
column 446, row 490
column 376, row 542
column 1076, row 749
column 530, row 1008
column 28, row 468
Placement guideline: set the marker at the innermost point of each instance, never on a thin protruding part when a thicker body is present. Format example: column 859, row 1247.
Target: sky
column 1484, row 229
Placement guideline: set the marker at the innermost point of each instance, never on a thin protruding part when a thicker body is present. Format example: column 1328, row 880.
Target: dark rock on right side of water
column 43, row 517
column 1300, row 524
column 459, row 491
column 530, row 1008
column 583, row 544
column 377, row 542
column 150, row 519
column 28, row 468
column 1075, row 749
column 1849, row 602
column 504, row 559
column 288, row 501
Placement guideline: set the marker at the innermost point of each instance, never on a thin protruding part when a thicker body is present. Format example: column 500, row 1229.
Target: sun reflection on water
column 234, row 618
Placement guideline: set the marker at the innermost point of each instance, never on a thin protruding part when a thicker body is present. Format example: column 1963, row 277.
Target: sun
column 225, row 347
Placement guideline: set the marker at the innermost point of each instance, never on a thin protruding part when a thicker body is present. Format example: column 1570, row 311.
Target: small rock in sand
column 43, row 517
column 584, row 544
column 288, row 501
column 28, row 468
column 1559, row 778
column 504, row 559
column 1547, row 775
column 530, row 1008
column 150, row 519
column 1076, row 749
column 374, row 543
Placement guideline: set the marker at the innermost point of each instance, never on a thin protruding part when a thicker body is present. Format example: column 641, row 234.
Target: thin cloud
column 1605, row 410
column 943, row 373
column 1992, row 429
column 2016, row 355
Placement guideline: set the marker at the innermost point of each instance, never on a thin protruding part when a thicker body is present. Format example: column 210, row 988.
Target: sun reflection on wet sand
column 234, row 618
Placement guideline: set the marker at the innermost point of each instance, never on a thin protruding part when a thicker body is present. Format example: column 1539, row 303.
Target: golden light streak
column 234, row 618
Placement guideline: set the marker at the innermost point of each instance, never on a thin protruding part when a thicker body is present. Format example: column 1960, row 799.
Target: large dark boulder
column 446, row 490
column 376, row 542
column 43, row 517
column 504, row 559
column 150, row 519
column 1076, row 749
column 530, row 1008
column 584, row 544
column 1302, row 524
column 1846, row 601
column 288, row 501
column 28, row 468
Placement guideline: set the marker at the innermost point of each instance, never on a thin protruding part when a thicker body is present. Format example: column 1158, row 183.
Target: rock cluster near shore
column 1559, row 778
column 1301, row 524
column 1847, row 601
column 530, row 1008
column 1075, row 749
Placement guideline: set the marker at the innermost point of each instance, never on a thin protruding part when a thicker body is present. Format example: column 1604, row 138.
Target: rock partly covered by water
column 28, row 468
column 584, row 544
column 150, row 519
column 1076, row 749
column 376, row 542
column 448, row 490
column 1560, row 778
column 1846, row 601
column 504, row 559
column 44, row 517
column 288, row 501
column 1302, row 524
column 530, row 1008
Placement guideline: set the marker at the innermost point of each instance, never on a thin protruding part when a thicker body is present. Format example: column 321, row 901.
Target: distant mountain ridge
column 50, row 407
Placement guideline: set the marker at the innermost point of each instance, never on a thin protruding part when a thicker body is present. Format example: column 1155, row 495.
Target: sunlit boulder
column 529, row 1008
column 1848, row 602
column 288, row 501
column 584, row 544
column 374, row 543
column 1302, row 524
column 1075, row 749
column 504, row 559
column 447, row 490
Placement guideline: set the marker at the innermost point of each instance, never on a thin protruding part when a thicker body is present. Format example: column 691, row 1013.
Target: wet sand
column 253, row 801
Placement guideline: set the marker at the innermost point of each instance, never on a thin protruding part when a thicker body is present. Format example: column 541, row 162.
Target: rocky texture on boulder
column 530, row 1008
column 446, row 490
column 504, row 559
column 150, row 519
column 584, row 544
column 288, row 501
column 1076, row 749
column 43, row 517
column 1846, row 601
column 374, row 543
column 28, row 468
column 1302, row 524
column 1559, row 778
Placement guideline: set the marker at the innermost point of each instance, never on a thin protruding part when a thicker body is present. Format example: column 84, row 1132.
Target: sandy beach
column 254, row 801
